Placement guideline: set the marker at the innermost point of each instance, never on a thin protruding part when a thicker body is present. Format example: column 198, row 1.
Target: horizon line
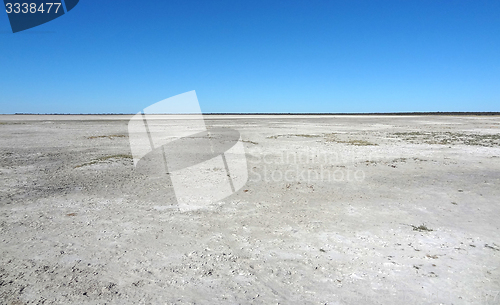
column 287, row 113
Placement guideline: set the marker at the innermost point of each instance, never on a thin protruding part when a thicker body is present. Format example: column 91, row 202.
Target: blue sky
column 257, row 56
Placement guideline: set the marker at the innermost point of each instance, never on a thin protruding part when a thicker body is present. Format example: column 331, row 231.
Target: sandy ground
column 337, row 210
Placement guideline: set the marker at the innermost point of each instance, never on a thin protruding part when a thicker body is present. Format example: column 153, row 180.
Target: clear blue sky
column 257, row 56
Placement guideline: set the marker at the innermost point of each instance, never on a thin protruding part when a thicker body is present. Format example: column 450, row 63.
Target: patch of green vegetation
column 450, row 138
column 355, row 142
column 12, row 123
column 103, row 159
column 422, row 228
column 111, row 136
column 329, row 137
column 360, row 143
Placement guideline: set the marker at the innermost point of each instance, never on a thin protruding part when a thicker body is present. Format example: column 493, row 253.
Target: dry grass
column 359, row 143
column 294, row 135
column 422, row 228
column 12, row 123
column 251, row 142
column 332, row 137
column 449, row 138
column 491, row 247
column 111, row 136
column 329, row 137
column 104, row 159
column 306, row 135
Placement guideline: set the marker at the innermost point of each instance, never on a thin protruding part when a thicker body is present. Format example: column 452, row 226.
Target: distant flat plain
column 337, row 210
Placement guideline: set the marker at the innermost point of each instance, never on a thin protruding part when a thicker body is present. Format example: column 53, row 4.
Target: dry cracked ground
column 337, row 210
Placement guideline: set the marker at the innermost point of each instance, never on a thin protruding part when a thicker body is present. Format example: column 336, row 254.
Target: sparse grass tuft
column 251, row 142
column 422, row 228
column 274, row 137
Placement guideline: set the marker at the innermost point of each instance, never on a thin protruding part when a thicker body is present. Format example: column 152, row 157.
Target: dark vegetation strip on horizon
column 283, row 113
